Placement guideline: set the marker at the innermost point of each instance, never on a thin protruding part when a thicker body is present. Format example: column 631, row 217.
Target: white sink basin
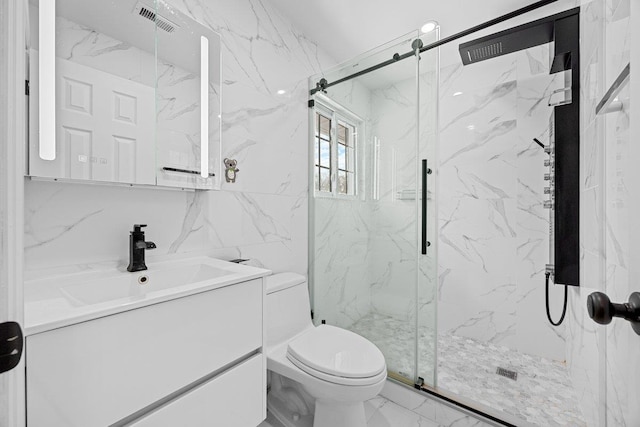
column 96, row 290
column 66, row 296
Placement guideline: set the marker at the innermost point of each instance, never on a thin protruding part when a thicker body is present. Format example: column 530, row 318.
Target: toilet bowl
column 319, row 376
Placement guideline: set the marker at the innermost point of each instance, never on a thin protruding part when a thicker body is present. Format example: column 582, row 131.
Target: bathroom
column 261, row 206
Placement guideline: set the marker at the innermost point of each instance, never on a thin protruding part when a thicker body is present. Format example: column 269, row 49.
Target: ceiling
column 347, row 28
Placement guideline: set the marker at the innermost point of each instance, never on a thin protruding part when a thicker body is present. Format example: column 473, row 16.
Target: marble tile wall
column 493, row 230
column 622, row 199
column 604, row 375
column 585, row 340
column 623, row 375
column 262, row 216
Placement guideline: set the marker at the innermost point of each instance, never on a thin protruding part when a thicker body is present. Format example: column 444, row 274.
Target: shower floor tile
column 542, row 394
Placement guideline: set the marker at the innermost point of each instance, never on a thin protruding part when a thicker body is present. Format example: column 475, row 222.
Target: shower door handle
column 425, row 171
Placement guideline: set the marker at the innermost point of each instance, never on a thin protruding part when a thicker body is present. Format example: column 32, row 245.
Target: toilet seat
column 337, row 356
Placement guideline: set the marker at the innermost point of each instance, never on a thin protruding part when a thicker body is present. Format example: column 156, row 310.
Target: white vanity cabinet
column 191, row 361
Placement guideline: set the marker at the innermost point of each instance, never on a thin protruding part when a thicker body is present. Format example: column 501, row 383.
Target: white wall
column 262, row 216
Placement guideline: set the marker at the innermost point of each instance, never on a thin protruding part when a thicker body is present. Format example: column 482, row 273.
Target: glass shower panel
column 496, row 349
column 366, row 266
column 427, row 274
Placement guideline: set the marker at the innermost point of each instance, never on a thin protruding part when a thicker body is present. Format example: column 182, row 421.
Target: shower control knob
column 602, row 310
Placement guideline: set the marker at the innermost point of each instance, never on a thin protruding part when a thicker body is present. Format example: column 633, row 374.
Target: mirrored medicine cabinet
column 123, row 91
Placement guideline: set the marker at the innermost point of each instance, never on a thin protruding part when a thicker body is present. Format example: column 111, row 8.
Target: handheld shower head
column 546, row 148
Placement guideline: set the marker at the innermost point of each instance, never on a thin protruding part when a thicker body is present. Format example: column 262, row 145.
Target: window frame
column 338, row 115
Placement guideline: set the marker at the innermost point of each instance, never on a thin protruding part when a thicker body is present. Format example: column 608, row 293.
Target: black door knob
column 602, row 310
column 11, row 342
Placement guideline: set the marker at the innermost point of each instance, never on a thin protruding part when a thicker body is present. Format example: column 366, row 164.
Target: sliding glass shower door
column 372, row 223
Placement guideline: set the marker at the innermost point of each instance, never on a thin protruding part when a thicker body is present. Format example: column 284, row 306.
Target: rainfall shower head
column 478, row 53
column 508, row 41
column 524, row 36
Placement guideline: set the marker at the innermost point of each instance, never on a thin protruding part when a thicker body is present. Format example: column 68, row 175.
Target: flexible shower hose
column 546, row 294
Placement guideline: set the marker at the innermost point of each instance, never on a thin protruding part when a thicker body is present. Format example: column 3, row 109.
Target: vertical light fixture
column 376, row 168
column 204, row 107
column 47, row 79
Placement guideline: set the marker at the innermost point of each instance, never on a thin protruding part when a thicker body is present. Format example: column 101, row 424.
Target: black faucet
column 137, row 246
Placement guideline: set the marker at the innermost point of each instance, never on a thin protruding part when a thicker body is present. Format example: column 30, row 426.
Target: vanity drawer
column 101, row 371
column 232, row 399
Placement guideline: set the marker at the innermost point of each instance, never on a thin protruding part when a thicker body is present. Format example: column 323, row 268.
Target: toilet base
column 335, row 414
column 327, row 414
column 285, row 415
column 289, row 403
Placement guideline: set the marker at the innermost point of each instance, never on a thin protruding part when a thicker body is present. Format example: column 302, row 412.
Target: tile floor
column 542, row 394
column 381, row 412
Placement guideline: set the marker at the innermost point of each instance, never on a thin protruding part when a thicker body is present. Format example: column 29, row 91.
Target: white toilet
column 324, row 370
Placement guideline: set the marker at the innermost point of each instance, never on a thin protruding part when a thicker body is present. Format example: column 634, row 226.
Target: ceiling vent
column 147, row 12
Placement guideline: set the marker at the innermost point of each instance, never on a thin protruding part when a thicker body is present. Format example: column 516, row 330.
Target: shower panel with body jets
column 563, row 148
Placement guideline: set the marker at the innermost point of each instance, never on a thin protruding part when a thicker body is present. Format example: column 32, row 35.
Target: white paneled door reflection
column 105, row 127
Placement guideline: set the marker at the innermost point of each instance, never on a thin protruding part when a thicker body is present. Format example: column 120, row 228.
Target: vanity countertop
column 57, row 300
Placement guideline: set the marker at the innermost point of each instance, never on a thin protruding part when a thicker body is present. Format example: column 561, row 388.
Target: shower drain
column 512, row 375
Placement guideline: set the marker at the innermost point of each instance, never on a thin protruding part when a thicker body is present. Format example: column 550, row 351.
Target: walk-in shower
column 430, row 211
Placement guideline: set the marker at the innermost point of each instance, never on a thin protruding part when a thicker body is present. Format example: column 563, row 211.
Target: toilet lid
column 338, row 352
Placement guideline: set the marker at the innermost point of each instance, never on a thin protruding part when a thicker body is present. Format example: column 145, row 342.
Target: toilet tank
column 287, row 305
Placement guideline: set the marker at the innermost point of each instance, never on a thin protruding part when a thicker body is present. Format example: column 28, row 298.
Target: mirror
column 134, row 98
